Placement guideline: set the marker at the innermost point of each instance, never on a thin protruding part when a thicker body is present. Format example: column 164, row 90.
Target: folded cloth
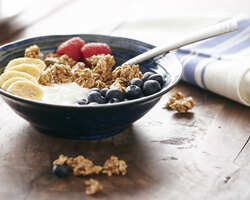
column 220, row 64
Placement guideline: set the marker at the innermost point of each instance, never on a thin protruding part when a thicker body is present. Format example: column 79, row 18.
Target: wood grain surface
column 203, row 154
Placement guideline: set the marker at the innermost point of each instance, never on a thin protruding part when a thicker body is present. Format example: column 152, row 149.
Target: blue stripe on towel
column 238, row 47
column 203, row 72
column 189, row 69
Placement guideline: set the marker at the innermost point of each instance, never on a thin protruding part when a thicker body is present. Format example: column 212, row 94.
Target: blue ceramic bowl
column 90, row 121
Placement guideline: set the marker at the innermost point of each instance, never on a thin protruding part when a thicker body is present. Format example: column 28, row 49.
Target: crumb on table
column 61, row 160
column 114, row 166
column 92, row 186
column 180, row 103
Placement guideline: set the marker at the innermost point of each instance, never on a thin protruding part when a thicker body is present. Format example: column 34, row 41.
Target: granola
column 82, row 166
column 78, row 67
column 33, row 52
column 66, row 60
column 99, row 74
column 46, row 77
column 120, row 83
column 180, row 103
column 100, row 84
column 114, row 166
column 127, row 72
column 92, row 186
column 84, row 78
column 57, row 73
column 102, row 65
column 61, row 160
column 175, row 96
column 52, row 58
column 50, row 61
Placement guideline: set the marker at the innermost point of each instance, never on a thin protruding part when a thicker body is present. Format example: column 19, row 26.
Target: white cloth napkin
column 220, row 64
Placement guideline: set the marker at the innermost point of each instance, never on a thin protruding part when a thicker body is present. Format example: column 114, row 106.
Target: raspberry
column 71, row 47
column 95, row 48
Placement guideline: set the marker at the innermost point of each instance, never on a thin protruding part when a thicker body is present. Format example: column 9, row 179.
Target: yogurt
column 64, row 94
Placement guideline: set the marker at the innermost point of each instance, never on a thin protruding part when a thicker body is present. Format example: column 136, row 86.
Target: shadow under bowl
column 90, row 121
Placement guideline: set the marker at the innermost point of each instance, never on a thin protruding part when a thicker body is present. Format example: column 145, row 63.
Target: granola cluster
column 102, row 65
column 92, row 186
column 114, row 166
column 57, row 73
column 61, row 160
column 180, row 103
column 81, row 166
column 33, row 52
column 127, row 72
column 66, row 60
column 52, row 58
column 84, row 78
column 99, row 73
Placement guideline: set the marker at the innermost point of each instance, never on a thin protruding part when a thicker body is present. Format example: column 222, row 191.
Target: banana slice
column 33, row 70
column 25, row 60
column 10, row 74
column 7, row 83
column 26, row 89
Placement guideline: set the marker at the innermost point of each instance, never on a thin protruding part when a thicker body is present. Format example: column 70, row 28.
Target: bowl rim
column 74, row 106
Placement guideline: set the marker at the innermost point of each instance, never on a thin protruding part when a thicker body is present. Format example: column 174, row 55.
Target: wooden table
column 203, row 154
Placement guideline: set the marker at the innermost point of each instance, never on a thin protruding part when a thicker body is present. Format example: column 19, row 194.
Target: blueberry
column 82, row 102
column 157, row 77
column 114, row 100
column 115, row 93
column 151, row 87
column 96, row 97
column 136, row 81
column 146, row 76
column 60, row 170
column 104, row 91
column 94, row 89
column 133, row 92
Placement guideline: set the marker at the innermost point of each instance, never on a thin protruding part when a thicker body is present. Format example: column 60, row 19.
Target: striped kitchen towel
column 221, row 64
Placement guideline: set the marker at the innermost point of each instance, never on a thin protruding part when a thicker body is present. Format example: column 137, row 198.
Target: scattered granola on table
column 61, row 160
column 180, row 103
column 92, row 186
column 114, row 166
column 82, row 166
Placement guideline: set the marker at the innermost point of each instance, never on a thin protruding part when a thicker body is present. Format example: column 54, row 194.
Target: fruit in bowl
column 75, row 90
column 90, row 65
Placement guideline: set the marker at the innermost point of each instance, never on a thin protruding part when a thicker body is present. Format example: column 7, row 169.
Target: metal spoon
column 214, row 30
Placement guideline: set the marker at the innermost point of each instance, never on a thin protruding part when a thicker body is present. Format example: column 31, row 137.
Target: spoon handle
column 214, row 30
